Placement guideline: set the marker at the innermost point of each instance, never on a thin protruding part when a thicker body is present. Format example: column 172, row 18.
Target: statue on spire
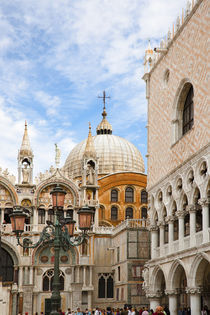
column 57, row 155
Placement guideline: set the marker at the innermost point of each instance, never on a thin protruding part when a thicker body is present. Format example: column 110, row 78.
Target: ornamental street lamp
column 58, row 234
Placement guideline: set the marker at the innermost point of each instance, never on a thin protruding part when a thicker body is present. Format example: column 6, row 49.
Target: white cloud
column 51, row 103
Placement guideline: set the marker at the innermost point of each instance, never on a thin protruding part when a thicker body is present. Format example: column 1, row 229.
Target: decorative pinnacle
column 25, row 148
column 89, row 148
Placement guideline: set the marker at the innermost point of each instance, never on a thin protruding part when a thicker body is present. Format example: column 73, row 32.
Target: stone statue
column 90, row 172
column 57, row 155
column 25, row 173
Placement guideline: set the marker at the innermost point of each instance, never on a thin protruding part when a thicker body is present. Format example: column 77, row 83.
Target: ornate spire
column 90, row 149
column 25, row 149
column 104, row 127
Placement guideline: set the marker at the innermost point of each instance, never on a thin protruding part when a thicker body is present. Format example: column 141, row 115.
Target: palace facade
column 177, row 90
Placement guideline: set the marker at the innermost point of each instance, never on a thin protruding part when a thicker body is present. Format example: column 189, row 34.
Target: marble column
column 14, row 299
column 192, row 211
column 20, row 280
column 195, row 300
column 89, row 300
column 162, row 232
column 170, row 221
column 91, row 276
column 35, row 295
column 154, row 302
column 181, row 215
column 205, row 218
column 31, row 275
column 84, row 276
column 154, row 240
column 172, row 301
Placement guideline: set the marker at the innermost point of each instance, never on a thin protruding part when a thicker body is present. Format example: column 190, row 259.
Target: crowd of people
column 127, row 310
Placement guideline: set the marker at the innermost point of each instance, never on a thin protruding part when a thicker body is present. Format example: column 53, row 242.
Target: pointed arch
column 197, row 269
column 175, row 271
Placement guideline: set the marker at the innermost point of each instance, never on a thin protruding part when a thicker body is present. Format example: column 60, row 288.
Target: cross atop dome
column 104, row 127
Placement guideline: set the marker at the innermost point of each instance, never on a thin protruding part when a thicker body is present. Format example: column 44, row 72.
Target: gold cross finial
column 104, row 98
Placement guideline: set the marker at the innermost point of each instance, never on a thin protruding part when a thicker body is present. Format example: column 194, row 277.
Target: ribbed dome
column 115, row 155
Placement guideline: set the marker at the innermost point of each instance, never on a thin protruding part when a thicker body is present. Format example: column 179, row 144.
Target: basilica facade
column 177, row 90
column 105, row 172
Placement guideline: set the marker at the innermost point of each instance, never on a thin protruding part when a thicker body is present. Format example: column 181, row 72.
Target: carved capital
column 169, row 219
column 203, row 202
column 154, row 295
column 191, row 208
column 153, row 228
column 171, row 292
column 180, row 214
column 160, row 223
column 196, row 290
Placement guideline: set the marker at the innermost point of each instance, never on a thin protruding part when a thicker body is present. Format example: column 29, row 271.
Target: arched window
column 129, row 194
column 129, row 213
column 114, row 195
column 7, row 266
column 143, row 196
column 114, row 213
column 47, row 281
column 188, row 112
column 144, row 213
column 183, row 113
column 41, row 216
column 101, row 287
column 105, row 286
column 110, row 288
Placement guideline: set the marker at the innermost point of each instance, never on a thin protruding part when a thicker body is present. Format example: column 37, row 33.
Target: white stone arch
column 189, row 179
column 171, row 206
column 197, row 270
column 193, row 193
column 173, row 277
column 177, row 109
column 168, row 193
column 157, row 276
column 207, row 188
column 157, row 201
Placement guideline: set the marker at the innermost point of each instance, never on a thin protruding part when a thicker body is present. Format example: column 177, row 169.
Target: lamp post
column 58, row 234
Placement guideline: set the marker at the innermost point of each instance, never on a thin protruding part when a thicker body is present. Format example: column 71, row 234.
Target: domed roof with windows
column 114, row 153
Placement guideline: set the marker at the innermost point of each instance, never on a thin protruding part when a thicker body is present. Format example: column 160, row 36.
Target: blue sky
column 57, row 56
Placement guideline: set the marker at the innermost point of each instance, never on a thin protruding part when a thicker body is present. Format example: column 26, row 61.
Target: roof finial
column 104, row 114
